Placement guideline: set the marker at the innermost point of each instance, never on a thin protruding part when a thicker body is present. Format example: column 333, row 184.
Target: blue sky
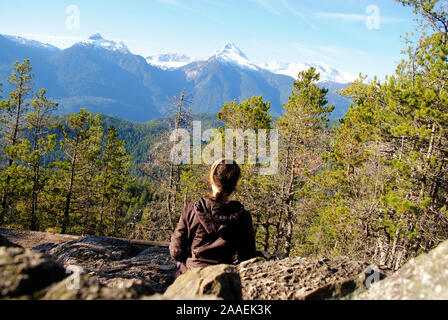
column 342, row 33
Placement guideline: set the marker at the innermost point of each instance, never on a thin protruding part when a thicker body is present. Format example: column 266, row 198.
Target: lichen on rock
column 422, row 278
column 24, row 272
column 219, row 281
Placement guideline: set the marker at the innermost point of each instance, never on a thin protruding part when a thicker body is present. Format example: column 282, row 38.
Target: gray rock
column 421, row 278
column 154, row 251
column 91, row 248
column 44, row 247
column 109, row 262
column 303, row 279
column 24, row 272
column 6, row 243
column 220, row 281
column 86, row 287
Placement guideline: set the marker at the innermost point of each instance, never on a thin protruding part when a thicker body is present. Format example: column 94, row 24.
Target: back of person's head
column 224, row 175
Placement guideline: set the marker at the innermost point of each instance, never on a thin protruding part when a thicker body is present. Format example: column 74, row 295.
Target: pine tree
column 113, row 178
column 81, row 143
column 301, row 126
column 39, row 124
column 12, row 113
column 254, row 190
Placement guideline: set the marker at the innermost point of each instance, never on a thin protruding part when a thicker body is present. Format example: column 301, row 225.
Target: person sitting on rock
column 214, row 230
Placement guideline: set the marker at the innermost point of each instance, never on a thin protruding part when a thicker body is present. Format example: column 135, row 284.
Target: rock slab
column 222, row 281
column 421, row 278
column 304, row 279
column 24, row 272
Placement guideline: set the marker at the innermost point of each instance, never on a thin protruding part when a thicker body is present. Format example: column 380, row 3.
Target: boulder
column 219, row 281
column 85, row 287
column 91, row 249
column 110, row 262
column 304, row 279
column 23, row 272
column 421, row 278
column 6, row 243
column 44, row 247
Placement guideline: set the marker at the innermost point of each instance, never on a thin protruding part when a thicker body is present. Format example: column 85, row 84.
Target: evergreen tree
column 113, row 177
column 39, row 123
column 254, row 189
column 81, row 143
column 302, row 128
column 14, row 145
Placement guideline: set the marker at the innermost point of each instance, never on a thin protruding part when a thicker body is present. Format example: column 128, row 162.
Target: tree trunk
column 34, row 220
column 69, row 197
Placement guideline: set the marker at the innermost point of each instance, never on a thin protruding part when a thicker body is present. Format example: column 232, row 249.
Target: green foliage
column 252, row 113
column 80, row 191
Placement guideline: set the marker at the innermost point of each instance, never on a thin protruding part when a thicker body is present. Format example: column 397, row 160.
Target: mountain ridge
column 105, row 77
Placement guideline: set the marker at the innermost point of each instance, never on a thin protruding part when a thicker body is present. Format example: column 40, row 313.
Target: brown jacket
column 210, row 232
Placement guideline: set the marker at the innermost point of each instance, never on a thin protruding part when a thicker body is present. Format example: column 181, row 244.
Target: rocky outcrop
column 88, row 268
column 111, row 262
column 304, row 279
column 105, row 268
column 24, row 272
column 220, row 281
column 6, row 243
column 421, row 278
column 85, row 287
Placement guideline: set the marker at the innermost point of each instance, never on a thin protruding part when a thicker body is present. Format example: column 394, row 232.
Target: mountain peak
column 98, row 41
column 232, row 54
column 168, row 61
column 292, row 69
column 230, row 49
column 31, row 43
column 96, row 36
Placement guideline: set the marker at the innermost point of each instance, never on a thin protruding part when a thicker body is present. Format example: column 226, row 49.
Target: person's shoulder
column 197, row 205
column 238, row 209
column 236, row 205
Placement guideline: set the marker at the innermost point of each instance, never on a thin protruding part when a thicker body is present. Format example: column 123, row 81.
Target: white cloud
column 266, row 5
column 170, row 2
column 342, row 16
column 296, row 12
column 356, row 17
column 342, row 52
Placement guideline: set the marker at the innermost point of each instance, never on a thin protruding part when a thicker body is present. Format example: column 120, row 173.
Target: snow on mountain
column 98, row 41
column 170, row 61
column 292, row 69
column 31, row 43
column 232, row 54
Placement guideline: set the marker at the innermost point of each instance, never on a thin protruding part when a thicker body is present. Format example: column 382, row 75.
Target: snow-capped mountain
column 105, row 77
column 169, row 61
column 292, row 69
column 31, row 43
column 98, row 41
column 232, row 54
